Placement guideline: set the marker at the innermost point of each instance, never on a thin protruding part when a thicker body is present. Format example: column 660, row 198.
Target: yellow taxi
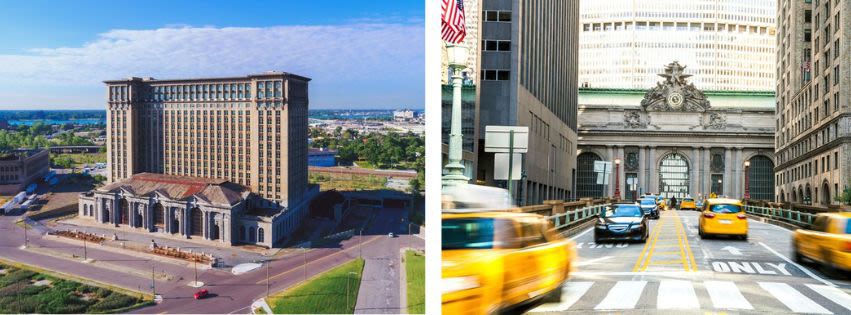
column 688, row 203
column 828, row 242
column 722, row 216
column 495, row 261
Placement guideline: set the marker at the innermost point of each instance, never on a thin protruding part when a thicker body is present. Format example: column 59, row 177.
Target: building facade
column 813, row 141
column 531, row 83
column 20, row 168
column 251, row 130
column 728, row 44
column 221, row 159
column 677, row 141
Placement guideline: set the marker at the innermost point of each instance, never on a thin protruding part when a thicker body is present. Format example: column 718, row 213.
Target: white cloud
column 360, row 56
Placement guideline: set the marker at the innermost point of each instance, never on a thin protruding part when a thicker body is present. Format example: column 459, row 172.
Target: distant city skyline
column 55, row 55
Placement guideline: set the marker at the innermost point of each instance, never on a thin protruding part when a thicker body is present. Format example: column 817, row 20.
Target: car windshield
column 468, row 233
column 725, row 209
column 648, row 202
column 624, row 211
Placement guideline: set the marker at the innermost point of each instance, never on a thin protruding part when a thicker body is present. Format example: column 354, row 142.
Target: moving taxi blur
column 827, row 242
column 722, row 216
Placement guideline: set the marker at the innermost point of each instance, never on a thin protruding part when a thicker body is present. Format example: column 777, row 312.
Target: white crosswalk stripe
column 676, row 294
column 683, row 295
column 624, row 295
column 794, row 300
column 832, row 293
column 726, row 295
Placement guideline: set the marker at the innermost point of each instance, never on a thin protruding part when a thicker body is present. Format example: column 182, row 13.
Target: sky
column 359, row 54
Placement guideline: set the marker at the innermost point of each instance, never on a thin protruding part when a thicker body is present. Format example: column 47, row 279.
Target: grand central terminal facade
column 677, row 141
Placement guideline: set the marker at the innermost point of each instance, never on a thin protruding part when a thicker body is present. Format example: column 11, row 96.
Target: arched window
column 673, row 176
column 825, row 194
column 782, row 196
column 586, row 178
column 761, row 178
column 260, row 236
column 125, row 211
column 808, row 196
column 197, row 222
column 159, row 215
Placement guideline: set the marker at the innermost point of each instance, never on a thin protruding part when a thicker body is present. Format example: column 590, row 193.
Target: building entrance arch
column 674, row 176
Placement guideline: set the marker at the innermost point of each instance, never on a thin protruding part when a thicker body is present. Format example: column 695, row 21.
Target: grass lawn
column 323, row 294
column 24, row 291
column 347, row 182
column 415, row 274
column 81, row 159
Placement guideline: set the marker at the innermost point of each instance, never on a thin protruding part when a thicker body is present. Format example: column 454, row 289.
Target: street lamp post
column 747, row 181
column 454, row 169
column 617, row 179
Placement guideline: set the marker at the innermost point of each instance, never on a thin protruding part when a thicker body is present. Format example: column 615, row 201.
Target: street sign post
column 507, row 139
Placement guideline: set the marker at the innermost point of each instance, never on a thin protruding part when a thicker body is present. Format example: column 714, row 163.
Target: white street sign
column 602, row 179
column 500, row 166
column 497, row 139
column 603, row 167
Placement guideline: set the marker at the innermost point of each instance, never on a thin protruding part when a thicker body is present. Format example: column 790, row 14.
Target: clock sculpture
column 674, row 94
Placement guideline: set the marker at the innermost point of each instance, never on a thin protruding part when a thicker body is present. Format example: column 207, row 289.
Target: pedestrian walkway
column 686, row 295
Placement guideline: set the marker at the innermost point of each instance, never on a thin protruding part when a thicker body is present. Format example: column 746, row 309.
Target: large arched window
column 125, row 211
column 782, row 196
column 586, row 178
column 808, row 195
column 825, row 193
column 260, row 236
column 761, row 178
column 197, row 222
column 673, row 176
column 159, row 216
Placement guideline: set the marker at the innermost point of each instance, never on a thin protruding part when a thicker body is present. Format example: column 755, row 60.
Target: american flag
column 452, row 21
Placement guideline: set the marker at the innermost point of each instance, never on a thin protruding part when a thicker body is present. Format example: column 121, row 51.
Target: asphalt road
column 228, row 293
column 677, row 272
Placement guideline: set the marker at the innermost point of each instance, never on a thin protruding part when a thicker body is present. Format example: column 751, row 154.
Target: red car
column 201, row 294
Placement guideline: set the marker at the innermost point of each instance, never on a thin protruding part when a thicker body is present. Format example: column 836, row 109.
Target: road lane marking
column 666, row 262
column 641, row 264
column 317, row 260
column 834, row 294
column 794, row 300
column 573, row 238
column 688, row 250
column 592, row 261
column 624, row 295
column 572, row 292
column 680, row 234
column 676, row 294
column 669, row 273
column 805, row 270
column 726, row 295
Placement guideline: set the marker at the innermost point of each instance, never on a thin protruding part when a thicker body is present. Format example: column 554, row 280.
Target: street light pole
column 153, row 284
column 455, row 169
column 26, row 238
column 617, row 179
column 85, row 250
column 747, row 181
column 195, row 263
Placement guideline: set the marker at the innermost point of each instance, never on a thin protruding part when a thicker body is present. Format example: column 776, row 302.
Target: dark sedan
column 622, row 222
column 649, row 208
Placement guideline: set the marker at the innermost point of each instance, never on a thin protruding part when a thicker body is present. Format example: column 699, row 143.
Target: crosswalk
column 700, row 295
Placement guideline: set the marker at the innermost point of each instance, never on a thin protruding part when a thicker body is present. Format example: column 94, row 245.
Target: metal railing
column 799, row 218
column 571, row 217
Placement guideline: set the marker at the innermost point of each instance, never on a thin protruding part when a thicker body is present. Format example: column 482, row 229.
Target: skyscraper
column 813, row 144
column 727, row 44
column 527, row 77
column 250, row 130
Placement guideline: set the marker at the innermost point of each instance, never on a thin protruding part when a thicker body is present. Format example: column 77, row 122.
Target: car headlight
column 634, row 226
column 454, row 284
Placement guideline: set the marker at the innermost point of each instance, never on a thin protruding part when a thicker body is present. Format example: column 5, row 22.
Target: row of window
column 810, row 168
column 678, row 26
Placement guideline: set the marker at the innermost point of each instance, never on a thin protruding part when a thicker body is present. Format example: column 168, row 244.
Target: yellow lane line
column 666, row 262
column 658, row 231
column 666, row 253
column 691, row 255
column 644, row 250
column 314, row 261
column 679, row 229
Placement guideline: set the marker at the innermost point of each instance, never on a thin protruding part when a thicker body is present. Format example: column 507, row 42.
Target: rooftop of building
column 278, row 74
column 763, row 100
column 17, row 154
column 217, row 191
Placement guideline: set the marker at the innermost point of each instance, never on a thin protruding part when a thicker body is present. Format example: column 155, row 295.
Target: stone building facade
column 19, row 168
column 676, row 140
column 813, row 141
column 192, row 208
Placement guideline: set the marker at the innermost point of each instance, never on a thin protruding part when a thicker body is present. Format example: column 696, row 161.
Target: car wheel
column 827, row 265
column 554, row 296
column 796, row 255
column 700, row 233
column 744, row 237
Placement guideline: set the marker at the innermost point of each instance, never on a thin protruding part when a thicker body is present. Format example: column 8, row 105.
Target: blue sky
column 360, row 54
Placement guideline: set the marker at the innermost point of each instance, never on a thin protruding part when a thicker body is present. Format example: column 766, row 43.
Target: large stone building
column 729, row 44
column 813, row 141
column 241, row 134
column 526, row 76
column 676, row 140
column 20, row 168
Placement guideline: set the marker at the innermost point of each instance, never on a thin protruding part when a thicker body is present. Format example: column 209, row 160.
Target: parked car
column 722, row 216
column 828, row 242
column 201, row 294
column 622, row 222
column 649, row 208
column 494, row 262
column 391, row 234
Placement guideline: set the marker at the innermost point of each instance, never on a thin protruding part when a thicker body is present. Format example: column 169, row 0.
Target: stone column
column 642, row 170
column 610, row 189
column 693, row 171
column 223, row 228
column 728, row 172
column 185, row 222
column 206, row 231
column 653, row 186
column 739, row 166
column 619, row 154
column 706, row 170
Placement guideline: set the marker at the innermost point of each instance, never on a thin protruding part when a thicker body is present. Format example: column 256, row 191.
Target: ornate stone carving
column 717, row 162
column 674, row 94
column 632, row 119
column 632, row 161
column 716, row 121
